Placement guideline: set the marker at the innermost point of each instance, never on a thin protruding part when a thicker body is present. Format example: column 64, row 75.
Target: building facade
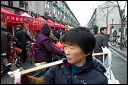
column 107, row 15
column 55, row 10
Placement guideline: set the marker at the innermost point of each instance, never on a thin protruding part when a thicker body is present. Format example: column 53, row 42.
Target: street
column 119, row 68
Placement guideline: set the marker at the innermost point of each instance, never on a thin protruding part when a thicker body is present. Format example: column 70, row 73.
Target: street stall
column 10, row 20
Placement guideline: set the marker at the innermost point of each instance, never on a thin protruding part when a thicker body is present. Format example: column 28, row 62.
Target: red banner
column 14, row 18
column 51, row 23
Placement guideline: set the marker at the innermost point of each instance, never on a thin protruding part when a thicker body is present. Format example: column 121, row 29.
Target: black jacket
column 5, row 38
column 92, row 73
column 22, row 37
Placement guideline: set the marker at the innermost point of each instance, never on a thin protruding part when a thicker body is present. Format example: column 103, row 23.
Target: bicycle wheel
column 18, row 62
column 113, row 42
column 121, row 46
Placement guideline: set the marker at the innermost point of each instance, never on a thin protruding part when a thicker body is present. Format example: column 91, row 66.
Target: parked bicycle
column 114, row 40
column 123, row 43
column 14, row 55
column 30, row 52
column 4, row 63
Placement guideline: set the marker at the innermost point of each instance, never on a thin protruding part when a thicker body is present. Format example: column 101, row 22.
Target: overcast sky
column 83, row 10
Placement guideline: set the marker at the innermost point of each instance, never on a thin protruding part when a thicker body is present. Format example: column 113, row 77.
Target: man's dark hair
column 82, row 37
column 102, row 28
column 18, row 26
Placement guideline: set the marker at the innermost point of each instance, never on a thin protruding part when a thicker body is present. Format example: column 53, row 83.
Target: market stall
column 10, row 20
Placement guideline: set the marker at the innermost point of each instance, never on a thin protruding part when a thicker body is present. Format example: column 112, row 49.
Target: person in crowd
column 44, row 47
column 58, row 34
column 114, row 34
column 6, row 37
column 22, row 37
column 101, row 41
column 79, row 67
column 52, row 37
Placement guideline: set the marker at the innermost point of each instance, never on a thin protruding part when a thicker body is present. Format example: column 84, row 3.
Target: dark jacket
column 44, row 47
column 22, row 37
column 5, row 38
column 101, row 41
column 92, row 73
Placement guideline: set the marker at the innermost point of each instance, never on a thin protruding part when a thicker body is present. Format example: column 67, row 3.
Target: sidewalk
column 117, row 49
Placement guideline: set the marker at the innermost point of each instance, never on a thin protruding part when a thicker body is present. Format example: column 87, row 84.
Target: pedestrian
column 44, row 47
column 101, row 41
column 6, row 37
column 79, row 67
column 52, row 37
column 22, row 37
column 114, row 33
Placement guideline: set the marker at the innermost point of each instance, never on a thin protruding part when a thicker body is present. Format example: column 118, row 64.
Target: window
column 21, row 4
column 47, row 6
column 10, row 3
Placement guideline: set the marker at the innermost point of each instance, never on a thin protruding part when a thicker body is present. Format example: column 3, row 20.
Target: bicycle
column 30, row 52
column 114, row 40
column 14, row 55
column 4, row 63
column 123, row 43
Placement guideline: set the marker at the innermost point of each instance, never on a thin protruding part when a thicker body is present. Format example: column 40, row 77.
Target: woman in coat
column 79, row 67
column 44, row 47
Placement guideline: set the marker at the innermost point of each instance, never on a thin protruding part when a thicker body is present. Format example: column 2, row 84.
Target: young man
column 79, row 67
column 101, row 41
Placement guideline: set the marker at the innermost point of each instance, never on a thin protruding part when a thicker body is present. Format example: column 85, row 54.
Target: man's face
column 104, row 31
column 74, row 54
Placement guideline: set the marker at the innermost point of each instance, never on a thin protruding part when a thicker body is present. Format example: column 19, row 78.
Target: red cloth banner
column 13, row 18
column 50, row 23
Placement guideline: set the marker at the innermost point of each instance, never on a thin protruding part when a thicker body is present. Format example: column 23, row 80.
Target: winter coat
column 22, row 37
column 5, row 38
column 44, row 47
column 101, row 41
column 92, row 73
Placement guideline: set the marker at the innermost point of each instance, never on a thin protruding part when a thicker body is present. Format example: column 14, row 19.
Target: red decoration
column 59, row 45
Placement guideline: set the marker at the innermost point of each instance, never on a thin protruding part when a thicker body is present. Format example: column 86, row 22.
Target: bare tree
column 122, row 18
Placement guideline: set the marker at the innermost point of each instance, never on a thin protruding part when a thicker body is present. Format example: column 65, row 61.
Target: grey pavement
column 117, row 49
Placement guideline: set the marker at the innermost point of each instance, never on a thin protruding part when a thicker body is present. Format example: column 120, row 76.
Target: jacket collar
column 90, row 64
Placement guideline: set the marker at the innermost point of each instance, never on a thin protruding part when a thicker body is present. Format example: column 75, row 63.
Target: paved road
column 119, row 68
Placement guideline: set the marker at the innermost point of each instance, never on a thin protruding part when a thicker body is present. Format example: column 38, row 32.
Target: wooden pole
column 50, row 64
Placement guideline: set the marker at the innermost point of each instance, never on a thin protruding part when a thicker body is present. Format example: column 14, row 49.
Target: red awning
column 5, row 11
column 61, row 25
column 14, row 18
column 26, row 14
column 57, row 25
column 40, row 18
column 10, row 18
column 50, row 23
